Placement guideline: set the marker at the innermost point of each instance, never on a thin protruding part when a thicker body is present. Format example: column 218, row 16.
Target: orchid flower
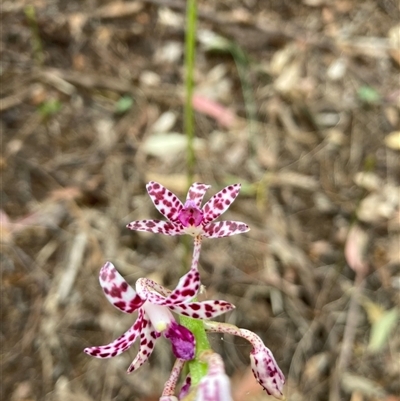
column 263, row 364
column 190, row 218
column 154, row 304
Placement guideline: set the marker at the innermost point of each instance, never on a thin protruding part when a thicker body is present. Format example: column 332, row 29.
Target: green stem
column 197, row 369
column 190, row 47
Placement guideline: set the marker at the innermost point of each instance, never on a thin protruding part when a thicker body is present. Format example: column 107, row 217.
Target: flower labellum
column 182, row 341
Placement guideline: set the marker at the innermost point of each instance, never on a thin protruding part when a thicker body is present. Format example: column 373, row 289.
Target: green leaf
column 50, row 107
column 123, row 104
column 368, row 95
column 381, row 329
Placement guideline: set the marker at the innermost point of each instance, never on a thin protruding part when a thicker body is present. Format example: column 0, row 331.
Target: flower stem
column 190, row 51
column 197, row 368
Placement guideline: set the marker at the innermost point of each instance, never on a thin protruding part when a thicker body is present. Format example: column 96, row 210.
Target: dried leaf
column 289, row 78
column 392, row 140
column 364, row 385
column 164, row 123
column 119, row 9
column 168, row 145
column 214, row 42
column 374, row 311
column 368, row 180
column 379, row 206
column 382, row 328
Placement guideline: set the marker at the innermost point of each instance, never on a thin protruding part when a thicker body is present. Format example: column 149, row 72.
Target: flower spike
column 155, row 305
column 190, row 218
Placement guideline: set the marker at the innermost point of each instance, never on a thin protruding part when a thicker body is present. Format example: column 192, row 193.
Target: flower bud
column 267, row 372
column 215, row 386
column 263, row 364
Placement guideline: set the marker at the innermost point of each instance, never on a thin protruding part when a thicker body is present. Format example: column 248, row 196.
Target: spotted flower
column 190, row 218
column 155, row 305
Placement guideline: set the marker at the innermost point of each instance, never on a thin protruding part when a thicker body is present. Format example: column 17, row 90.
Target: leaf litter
column 315, row 147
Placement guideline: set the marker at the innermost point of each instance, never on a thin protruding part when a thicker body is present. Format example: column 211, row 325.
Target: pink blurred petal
column 354, row 249
column 209, row 107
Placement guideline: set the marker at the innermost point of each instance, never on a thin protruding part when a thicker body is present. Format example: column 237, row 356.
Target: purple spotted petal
column 156, row 227
column 225, row 229
column 118, row 291
column 145, row 288
column 148, row 337
column 118, row 346
column 202, row 310
column 182, row 340
column 267, row 371
column 164, row 200
column 186, row 289
column 196, row 193
column 220, row 202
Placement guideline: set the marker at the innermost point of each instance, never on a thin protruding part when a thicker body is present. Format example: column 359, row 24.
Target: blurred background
column 297, row 100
